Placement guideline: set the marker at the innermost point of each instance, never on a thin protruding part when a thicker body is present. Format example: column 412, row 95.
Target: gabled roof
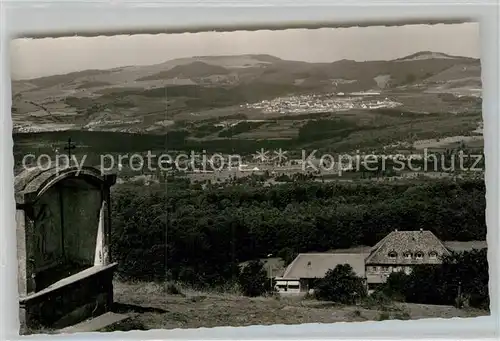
column 402, row 242
column 315, row 265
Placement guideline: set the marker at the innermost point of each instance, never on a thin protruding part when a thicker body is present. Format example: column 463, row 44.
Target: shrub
column 253, row 279
column 384, row 316
column 341, row 285
column 377, row 300
column 172, row 289
column 427, row 284
column 404, row 315
column 395, row 286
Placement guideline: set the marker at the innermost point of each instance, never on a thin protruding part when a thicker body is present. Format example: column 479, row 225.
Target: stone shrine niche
column 66, row 220
column 63, row 236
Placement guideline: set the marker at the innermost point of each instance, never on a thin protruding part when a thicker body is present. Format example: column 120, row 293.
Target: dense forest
column 199, row 236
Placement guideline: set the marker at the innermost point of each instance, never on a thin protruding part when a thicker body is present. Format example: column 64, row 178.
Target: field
column 195, row 309
column 331, row 132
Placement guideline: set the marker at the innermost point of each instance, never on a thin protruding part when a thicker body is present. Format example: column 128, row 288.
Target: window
column 433, row 255
column 392, row 254
column 407, row 255
column 419, row 255
column 293, row 287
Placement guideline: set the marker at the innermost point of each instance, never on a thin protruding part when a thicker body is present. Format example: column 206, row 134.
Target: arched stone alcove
column 63, row 237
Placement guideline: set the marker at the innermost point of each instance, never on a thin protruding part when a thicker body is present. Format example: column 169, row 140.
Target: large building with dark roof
column 398, row 251
column 401, row 251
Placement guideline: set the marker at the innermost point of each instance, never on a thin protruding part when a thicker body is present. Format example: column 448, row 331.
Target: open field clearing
column 450, row 142
column 195, row 309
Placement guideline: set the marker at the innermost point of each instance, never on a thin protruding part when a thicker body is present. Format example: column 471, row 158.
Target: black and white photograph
column 240, row 178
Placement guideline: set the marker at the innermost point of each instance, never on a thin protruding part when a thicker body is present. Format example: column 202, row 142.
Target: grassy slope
column 195, row 309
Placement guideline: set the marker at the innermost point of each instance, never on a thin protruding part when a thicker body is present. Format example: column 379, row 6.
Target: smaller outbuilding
column 301, row 276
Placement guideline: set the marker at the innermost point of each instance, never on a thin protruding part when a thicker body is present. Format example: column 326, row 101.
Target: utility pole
column 270, row 278
column 270, row 272
column 459, row 295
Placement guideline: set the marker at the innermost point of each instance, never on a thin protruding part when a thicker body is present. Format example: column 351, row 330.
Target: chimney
column 395, row 230
column 421, row 230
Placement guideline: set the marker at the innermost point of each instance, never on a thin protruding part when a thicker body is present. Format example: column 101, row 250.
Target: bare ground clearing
column 195, row 309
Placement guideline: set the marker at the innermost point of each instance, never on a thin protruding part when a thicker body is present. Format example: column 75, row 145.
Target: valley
column 242, row 103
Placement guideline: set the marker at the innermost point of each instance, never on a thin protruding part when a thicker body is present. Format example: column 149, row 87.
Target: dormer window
column 392, row 254
column 407, row 255
column 419, row 255
column 433, row 255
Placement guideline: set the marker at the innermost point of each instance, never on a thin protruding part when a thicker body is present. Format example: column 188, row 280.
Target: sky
column 31, row 58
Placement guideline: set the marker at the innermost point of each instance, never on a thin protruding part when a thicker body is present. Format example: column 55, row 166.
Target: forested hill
column 202, row 234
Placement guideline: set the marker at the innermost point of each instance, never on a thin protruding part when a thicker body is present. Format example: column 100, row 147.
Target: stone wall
column 88, row 294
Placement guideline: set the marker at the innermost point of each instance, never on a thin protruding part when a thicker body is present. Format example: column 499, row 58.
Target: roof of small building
column 402, row 242
column 315, row 265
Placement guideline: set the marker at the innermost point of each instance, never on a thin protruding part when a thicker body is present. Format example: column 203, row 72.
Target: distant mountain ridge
column 430, row 55
column 245, row 67
column 217, row 59
column 85, row 98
